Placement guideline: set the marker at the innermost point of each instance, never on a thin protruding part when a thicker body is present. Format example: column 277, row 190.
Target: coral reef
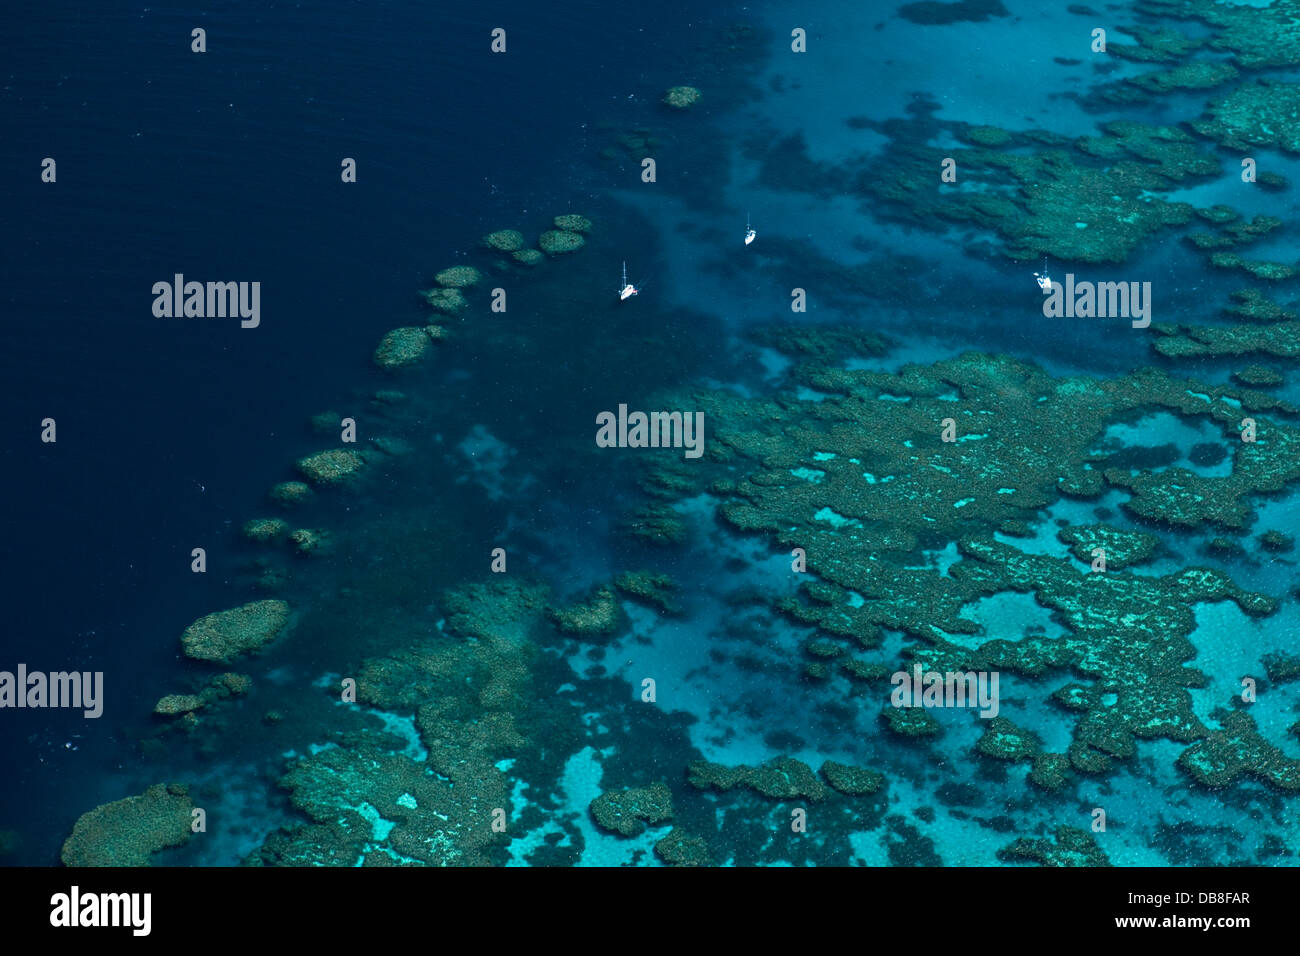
column 458, row 277
column 889, row 485
column 1271, row 271
column 681, row 97
column 405, row 346
column 289, row 494
column 1258, row 375
column 1237, row 749
column 1003, row 740
column 1262, row 113
column 572, row 222
column 679, row 848
column 1252, row 305
column 174, row 705
column 369, row 802
column 504, row 240
column 854, row 781
column 1051, row 771
column 1186, row 76
column 225, row 634
column 335, row 466
column 1123, row 548
column 1160, row 45
column 783, row 778
column 1276, row 541
column 598, row 616
column 1186, row 341
column 309, row 540
column 653, row 590
column 1070, row 847
column 266, row 530
column 219, row 688
column 1281, row 668
column 450, row 301
column 555, row 242
column 628, row 811
column 1256, row 37
column 1094, row 201
column 128, row 832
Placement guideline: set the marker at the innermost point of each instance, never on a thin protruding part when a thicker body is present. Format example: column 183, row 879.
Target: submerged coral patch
column 458, row 277
column 402, row 347
column 334, row 466
column 129, row 832
column 681, row 97
column 558, row 241
column 504, row 240
column 223, row 635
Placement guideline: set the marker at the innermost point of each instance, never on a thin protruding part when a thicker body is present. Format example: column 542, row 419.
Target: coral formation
column 450, row 301
column 1069, row 847
column 1122, row 548
column 597, row 616
column 289, row 494
column 1094, row 202
column 628, row 811
column 225, row 634
column 854, row 781
column 219, row 688
column 1003, row 740
column 458, row 277
column 1238, row 749
column 783, row 778
column 572, row 222
column 1186, row 341
column 504, row 240
column 335, row 466
column 369, row 801
column 128, row 832
column 554, row 242
column 679, row 848
column 266, row 530
column 309, row 540
column 889, row 485
column 681, row 97
column 402, row 347
column 1262, row 113
column 1258, row 376
column 653, row 590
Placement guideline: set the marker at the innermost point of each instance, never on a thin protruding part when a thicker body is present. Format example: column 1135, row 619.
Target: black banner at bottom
column 341, row 905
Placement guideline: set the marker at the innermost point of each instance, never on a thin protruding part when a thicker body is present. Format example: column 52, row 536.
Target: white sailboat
column 750, row 234
column 625, row 289
column 1044, row 280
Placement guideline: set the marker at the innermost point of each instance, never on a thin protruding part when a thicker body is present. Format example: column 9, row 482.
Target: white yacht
column 625, row 289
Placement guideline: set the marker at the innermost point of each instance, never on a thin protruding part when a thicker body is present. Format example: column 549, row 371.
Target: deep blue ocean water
column 226, row 165
column 215, row 166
